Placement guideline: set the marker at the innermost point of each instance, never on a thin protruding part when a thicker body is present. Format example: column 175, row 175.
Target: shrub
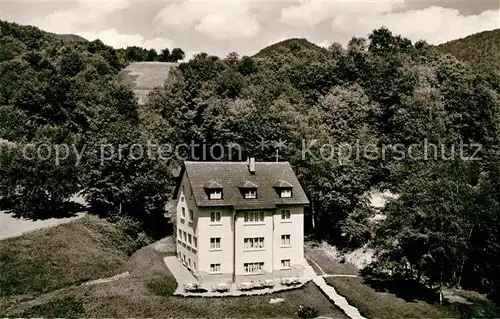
column 305, row 312
column 161, row 287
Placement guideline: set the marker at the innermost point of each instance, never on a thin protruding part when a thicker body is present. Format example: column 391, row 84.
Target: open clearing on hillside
column 145, row 76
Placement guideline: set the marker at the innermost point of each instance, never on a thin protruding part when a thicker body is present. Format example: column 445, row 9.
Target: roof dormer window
column 215, row 194
column 250, row 193
column 283, row 188
column 213, row 189
column 286, row 193
column 248, row 189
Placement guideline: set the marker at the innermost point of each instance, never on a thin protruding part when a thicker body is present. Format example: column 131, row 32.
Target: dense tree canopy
column 62, row 107
column 383, row 112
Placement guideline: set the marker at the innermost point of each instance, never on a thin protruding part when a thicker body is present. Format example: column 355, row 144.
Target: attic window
column 250, row 193
column 283, row 188
column 248, row 189
column 213, row 189
column 215, row 194
column 285, row 192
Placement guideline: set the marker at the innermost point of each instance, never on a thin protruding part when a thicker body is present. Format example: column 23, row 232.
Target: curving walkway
column 331, row 293
column 337, row 299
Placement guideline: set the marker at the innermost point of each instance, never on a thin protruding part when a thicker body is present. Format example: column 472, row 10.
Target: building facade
column 239, row 219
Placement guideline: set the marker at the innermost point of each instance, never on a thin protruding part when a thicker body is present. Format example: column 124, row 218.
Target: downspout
column 272, row 249
column 234, row 245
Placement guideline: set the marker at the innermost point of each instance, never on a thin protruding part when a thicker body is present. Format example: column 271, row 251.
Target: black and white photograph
column 329, row 159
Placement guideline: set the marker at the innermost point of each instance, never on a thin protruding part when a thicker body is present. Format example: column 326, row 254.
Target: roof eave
column 179, row 181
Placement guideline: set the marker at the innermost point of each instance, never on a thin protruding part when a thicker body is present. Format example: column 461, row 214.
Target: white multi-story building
column 240, row 219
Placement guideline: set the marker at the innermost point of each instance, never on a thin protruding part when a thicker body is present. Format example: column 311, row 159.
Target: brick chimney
column 251, row 165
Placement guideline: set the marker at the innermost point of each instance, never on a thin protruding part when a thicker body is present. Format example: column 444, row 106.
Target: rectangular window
column 214, row 217
column 190, row 192
column 215, row 194
column 253, row 267
column 285, row 240
column 189, row 262
column 194, row 264
column 183, row 212
column 191, row 215
column 214, row 267
column 189, row 239
column 254, row 243
column 286, row 192
column 285, row 263
column 182, row 198
column 253, row 217
column 180, row 234
column 185, row 236
column 184, row 257
column 195, row 242
column 215, row 243
column 285, row 214
column 251, row 194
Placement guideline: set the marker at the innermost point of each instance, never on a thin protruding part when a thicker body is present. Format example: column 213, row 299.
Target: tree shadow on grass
column 408, row 290
column 59, row 210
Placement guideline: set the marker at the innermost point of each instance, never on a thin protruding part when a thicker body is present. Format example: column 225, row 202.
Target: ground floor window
column 214, row 267
column 253, row 267
column 285, row 263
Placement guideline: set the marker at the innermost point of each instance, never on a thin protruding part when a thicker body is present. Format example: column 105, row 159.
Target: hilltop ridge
column 480, row 50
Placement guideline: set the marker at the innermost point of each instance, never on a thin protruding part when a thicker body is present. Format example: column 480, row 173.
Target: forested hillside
column 293, row 45
column 481, row 50
column 63, row 109
column 375, row 100
column 385, row 112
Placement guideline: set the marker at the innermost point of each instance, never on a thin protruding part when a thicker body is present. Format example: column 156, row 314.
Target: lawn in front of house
column 148, row 292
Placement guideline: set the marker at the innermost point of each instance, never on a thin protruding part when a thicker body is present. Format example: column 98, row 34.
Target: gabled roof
column 282, row 184
column 247, row 184
column 229, row 175
column 212, row 185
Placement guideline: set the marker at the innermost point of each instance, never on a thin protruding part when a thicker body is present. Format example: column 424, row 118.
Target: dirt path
column 11, row 226
column 337, row 299
column 105, row 280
